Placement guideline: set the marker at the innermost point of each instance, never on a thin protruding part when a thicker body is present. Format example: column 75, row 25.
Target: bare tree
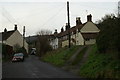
column 43, row 44
column 44, row 32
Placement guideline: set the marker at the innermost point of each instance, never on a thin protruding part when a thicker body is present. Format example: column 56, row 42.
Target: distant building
column 13, row 38
column 81, row 34
column 33, row 40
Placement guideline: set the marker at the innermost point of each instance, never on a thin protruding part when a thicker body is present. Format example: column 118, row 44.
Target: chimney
column 78, row 21
column 66, row 27
column 89, row 17
column 5, row 30
column 15, row 27
column 62, row 30
column 55, row 31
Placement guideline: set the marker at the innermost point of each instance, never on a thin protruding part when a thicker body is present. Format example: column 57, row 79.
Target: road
column 0, row 69
column 32, row 67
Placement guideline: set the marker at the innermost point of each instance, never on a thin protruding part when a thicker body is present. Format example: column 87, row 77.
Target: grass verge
column 100, row 65
column 79, row 56
column 60, row 56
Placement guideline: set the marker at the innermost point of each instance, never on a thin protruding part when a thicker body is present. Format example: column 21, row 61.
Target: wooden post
column 119, row 9
column 68, row 23
column 23, row 36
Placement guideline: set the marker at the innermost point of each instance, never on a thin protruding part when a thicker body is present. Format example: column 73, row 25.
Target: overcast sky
column 50, row 14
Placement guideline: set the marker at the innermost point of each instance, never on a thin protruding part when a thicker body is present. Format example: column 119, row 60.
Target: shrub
column 109, row 38
column 22, row 50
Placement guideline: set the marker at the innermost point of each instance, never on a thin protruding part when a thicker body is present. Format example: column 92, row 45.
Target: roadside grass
column 100, row 65
column 60, row 56
column 79, row 56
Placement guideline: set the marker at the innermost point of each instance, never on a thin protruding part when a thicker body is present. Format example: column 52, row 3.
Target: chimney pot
column 89, row 17
column 55, row 31
column 62, row 30
column 15, row 27
column 67, row 27
column 5, row 30
column 78, row 21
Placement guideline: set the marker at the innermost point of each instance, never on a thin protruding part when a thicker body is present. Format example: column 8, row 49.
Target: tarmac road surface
column 32, row 67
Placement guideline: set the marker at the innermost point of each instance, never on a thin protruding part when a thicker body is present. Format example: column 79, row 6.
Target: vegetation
column 16, row 47
column 60, row 56
column 103, row 61
column 7, row 52
column 79, row 56
column 22, row 50
column 97, row 65
column 109, row 38
column 43, row 44
column 100, row 66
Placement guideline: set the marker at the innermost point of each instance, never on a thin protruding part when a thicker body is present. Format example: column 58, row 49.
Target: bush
column 7, row 52
column 100, row 66
column 43, row 45
column 109, row 38
column 22, row 50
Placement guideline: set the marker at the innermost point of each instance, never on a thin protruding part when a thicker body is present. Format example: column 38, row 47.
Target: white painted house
column 81, row 34
column 54, row 43
column 54, row 40
column 13, row 38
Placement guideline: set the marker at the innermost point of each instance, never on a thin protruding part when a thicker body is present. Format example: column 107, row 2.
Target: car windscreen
column 18, row 54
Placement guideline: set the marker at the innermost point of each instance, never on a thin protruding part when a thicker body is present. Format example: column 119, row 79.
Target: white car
column 33, row 51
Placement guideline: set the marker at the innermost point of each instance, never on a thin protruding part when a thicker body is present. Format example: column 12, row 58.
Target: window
column 87, row 39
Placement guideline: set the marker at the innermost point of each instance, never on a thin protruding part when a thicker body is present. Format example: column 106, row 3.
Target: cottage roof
column 90, row 27
column 34, row 38
column 6, row 35
column 72, row 29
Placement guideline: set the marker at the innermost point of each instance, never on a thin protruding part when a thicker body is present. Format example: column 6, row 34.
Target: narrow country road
column 32, row 67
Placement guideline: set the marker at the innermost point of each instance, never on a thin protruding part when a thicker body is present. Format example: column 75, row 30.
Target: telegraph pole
column 23, row 35
column 68, row 23
column 119, row 9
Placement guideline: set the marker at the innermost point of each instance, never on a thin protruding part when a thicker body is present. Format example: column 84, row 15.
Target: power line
column 53, row 16
column 6, row 16
column 9, row 17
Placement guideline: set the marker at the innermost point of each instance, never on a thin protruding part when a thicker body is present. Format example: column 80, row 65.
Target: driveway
column 32, row 67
